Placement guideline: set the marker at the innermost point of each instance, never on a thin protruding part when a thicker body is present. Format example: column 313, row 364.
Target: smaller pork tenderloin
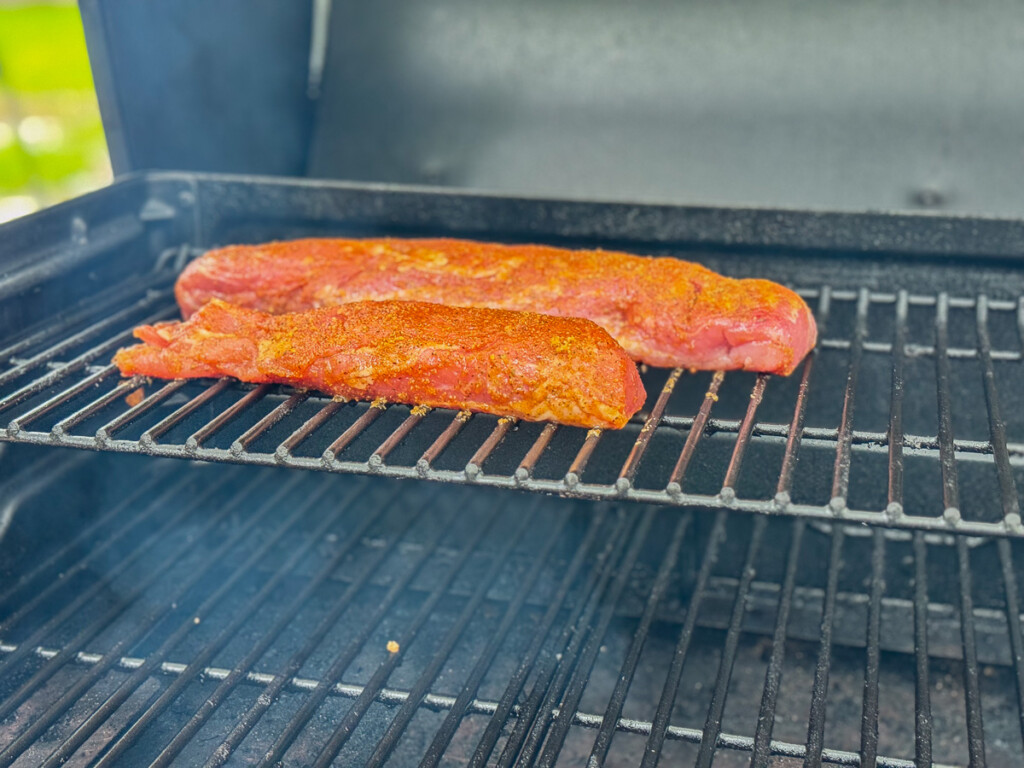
column 517, row 364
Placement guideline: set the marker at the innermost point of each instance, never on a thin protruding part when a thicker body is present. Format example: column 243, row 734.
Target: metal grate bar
column 675, row 483
column 732, row 472
column 55, row 351
column 796, row 428
column 569, row 700
column 656, row 739
column 997, row 426
column 579, row 464
column 713, row 722
column 416, row 415
column 215, row 424
column 106, row 432
column 366, row 419
column 1013, row 623
column 252, row 716
column 570, row 644
column 115, row 699
column 99, row 585
column 321, row 417
column 922, row 690
column 242, row 443
column 525, row 469
column 947, row 458
column 972, row 689
column 841, row 471
column 352, row 718
column 441, row 654
column 476, row 464
column 459, row 708
column 921, row 445
column 142, row 627
column 372, row 689
column 899, row 386
column 441, row 702
column 57, row 374
column 593, row 585
column 19, row 423
column 916, row 299
column 1020, row 321
column 94, row 306
column 816, row 721
column 211, row 648
column 629, row 664
column 783, row 490
column 437, row 447
column 243, row 668
column 154, row 433
column 923, row 350
column 62, row 427
column 869, row 709
column 632, row 463
column 761, row 752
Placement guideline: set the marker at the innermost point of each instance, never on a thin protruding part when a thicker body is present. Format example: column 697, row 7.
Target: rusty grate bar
column 632, row 463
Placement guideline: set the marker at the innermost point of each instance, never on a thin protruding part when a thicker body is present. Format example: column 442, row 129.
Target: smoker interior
column 153, row 609
column 159, row 611
column 908, row 414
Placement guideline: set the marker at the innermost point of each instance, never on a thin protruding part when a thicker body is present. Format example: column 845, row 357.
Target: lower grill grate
column 210, row 617
column 935, row 448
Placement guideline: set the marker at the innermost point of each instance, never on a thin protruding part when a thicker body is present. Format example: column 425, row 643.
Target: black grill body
column 822, row 569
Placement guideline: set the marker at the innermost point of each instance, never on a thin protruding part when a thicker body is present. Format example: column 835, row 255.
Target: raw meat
column 663, row 311
column 518, row 364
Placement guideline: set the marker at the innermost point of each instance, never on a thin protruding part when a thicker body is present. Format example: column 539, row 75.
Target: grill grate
column 910, row 380
column 211, row 617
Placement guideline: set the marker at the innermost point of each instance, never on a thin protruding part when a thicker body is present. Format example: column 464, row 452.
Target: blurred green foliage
column 42, row 48
column 51, row 138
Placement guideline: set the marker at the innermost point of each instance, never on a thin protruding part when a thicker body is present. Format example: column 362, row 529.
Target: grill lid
column 842, row 107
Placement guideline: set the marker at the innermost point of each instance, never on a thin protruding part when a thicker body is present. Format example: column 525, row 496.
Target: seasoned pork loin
column 663, row 311
column 518, row 364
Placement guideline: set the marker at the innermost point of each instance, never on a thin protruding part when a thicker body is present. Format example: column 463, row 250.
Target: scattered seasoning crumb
column 195, row 620
column 380, row 403
column 392, row 646
column 420, row 410
column 463, row 416
column 135, row 397
column 712, row 396
column 594, row 432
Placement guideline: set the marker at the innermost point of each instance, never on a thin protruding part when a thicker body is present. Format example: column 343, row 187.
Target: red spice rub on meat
column 519, row 364
column 663, row 311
